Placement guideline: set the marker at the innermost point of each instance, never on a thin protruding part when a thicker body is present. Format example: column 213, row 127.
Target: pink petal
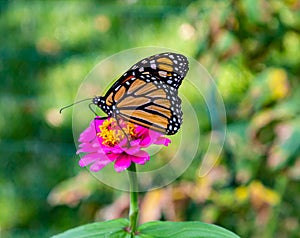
column 99, row 165
column 133, row 149
column 145, row 142
column 154, row 134
column 148, row 137
column 115, row 149
column 140, row 158
column 99, row 140
column 88, row 134
column 98, row 121
column 135, row 142
column 141, row 130
column 122, row 163
column 108, row 149
column 112, row 156
column 123, row 143
column 88, row 159
column 162, row 141
column 88, row 148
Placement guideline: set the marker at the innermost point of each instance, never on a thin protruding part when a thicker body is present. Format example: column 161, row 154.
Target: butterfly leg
column 90, row 107
column 125, row 134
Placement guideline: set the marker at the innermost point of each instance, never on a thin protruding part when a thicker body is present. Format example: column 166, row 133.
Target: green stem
column 134, row 206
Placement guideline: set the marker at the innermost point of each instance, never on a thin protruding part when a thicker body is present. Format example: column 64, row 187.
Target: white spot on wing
column 162, row 73
column 153, row 66
column 117, row 88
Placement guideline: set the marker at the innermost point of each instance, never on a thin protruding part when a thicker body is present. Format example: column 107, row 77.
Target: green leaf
column 159, row 229
column 107, row 229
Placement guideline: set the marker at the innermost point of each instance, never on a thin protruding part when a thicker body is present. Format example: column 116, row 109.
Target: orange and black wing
column 148, row 102
column 147, row 95
column 169, row 67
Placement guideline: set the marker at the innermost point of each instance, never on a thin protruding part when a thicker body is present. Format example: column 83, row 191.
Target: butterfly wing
column 147, row 93
column 150, row 103
column 168, row 67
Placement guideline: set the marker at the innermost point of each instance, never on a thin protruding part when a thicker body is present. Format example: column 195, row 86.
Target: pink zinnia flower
column 104, row 142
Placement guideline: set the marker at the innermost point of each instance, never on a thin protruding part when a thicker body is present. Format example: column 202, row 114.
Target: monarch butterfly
column 147, row 93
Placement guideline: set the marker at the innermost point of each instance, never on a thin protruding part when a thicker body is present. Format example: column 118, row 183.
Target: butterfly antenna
column 63, row 108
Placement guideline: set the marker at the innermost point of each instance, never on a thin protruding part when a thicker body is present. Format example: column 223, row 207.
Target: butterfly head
column 101, row 103
column 97, row 100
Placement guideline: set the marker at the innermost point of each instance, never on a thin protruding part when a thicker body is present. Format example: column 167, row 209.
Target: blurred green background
column 250, row 47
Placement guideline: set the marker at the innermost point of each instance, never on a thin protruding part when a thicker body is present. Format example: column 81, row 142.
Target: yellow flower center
column 112, row 134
